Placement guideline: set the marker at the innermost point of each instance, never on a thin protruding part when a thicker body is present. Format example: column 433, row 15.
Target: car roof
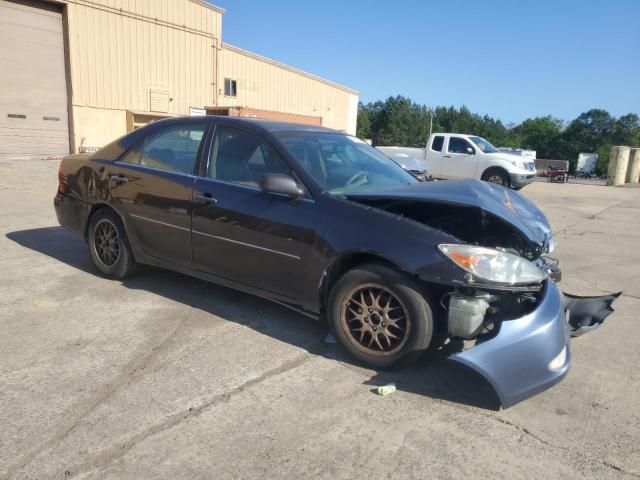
column 260, row 123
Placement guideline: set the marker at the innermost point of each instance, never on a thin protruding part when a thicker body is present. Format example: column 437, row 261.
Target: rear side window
column 174, row 149
column 437, row 143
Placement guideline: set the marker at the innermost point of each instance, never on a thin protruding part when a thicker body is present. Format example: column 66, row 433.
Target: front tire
column 496, row 176
column 109, row 247
column 380, row 316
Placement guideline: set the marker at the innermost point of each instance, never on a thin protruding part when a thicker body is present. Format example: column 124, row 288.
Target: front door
column 461, row 160
column 241, row 233
column 152, row 187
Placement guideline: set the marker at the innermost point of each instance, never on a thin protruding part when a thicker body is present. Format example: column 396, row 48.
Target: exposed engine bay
column 475, row 310
column 468, row 223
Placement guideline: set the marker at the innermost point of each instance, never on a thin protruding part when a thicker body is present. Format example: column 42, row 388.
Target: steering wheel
column 358, row 179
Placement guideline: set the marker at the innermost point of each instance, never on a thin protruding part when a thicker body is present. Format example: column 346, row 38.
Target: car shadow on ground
column 434, row 375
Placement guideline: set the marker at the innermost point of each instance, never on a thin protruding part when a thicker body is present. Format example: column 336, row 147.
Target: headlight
column 493, row 265
column 518, row 164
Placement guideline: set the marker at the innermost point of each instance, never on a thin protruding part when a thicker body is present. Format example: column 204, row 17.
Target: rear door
column 152, row 187
column 435, row 153
column 241, row 233
column 460, row 160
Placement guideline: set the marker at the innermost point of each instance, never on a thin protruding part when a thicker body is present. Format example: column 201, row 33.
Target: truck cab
column 458, row 156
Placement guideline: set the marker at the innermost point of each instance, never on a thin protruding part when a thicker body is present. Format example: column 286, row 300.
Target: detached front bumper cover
column 532, row 353
column 588, row 313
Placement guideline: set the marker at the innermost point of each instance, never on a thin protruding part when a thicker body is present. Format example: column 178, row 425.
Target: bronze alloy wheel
column 375, row 320
column 106, row 243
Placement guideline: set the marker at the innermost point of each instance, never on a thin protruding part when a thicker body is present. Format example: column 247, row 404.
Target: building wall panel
column 121, row 50
column 267, row 85
column 117, row 56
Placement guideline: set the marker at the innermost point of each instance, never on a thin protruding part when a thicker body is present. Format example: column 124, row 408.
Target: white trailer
column 587, row 162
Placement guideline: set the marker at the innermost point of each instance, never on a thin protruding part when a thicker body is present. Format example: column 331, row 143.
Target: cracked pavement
column 165, row 376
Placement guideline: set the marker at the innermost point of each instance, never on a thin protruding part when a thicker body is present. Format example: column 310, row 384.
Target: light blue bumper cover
column 516, row 361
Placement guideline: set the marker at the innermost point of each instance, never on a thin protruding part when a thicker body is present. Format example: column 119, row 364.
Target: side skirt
column 225, row 282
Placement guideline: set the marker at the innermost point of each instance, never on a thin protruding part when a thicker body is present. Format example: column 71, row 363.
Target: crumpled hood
column 506, row 204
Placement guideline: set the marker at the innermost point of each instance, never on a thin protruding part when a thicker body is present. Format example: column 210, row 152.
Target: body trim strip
column 159, row 222
column 295, row 257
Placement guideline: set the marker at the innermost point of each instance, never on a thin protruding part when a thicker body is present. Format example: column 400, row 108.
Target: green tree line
column 400, row 121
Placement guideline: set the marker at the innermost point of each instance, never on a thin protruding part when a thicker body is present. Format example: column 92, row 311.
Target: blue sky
column 509, row 59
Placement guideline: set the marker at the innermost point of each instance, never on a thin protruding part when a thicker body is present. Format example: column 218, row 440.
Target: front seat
column 231, row 164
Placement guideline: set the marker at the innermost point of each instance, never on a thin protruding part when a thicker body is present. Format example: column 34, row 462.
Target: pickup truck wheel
column 497, row 176
column 380, row 316
column 108, row 245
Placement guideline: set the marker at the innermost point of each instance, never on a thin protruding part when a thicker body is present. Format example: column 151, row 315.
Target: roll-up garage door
column 33, row 91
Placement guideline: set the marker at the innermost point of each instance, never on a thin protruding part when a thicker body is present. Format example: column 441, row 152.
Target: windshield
column 483, row 145
column 342, row 164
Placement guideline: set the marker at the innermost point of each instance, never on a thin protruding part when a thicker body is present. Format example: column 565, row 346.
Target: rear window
column 437, row 143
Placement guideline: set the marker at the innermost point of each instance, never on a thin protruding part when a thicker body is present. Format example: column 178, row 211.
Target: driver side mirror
column 279, row 183
column 471, row 151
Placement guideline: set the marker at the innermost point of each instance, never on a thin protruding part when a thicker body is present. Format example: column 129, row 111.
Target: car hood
column 509, row 157
column 508, row 205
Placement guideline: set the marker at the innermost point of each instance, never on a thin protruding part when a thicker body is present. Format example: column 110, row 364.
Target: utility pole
column 430, row 121
column 430, row 131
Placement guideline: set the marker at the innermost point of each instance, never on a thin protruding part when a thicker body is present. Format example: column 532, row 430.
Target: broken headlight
column 493, row 265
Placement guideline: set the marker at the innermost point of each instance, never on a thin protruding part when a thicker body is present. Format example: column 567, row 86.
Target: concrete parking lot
column 165, row 376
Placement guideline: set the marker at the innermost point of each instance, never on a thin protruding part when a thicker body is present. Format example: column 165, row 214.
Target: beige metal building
column 271, row 86
column 78, row 73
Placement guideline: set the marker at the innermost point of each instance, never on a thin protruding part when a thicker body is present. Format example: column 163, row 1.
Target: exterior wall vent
column 159, row 101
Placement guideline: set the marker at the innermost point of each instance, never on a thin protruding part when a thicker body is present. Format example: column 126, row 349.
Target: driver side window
column 240, row 157
column 458, row 145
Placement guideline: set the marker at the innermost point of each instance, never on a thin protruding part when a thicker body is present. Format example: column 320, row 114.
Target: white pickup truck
column 456, row 156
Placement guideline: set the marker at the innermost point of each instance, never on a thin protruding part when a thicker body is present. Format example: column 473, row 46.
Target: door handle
column 447, row 156
column 205, row 198
column 118, row 178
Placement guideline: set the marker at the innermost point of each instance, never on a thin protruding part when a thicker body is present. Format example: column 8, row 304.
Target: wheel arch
column 95, row 208
column 342, row 264
column 496, row 168
column 432, row 290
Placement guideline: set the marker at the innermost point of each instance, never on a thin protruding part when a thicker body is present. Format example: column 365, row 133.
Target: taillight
column 60, row 179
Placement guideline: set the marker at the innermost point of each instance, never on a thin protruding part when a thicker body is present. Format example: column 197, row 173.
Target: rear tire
column 108, row 245
column 496, row 176
column 380, row 316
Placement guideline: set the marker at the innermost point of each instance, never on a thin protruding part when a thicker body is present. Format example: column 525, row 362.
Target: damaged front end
column 520, row 323
column 498, row 290
column 527, row 354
